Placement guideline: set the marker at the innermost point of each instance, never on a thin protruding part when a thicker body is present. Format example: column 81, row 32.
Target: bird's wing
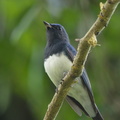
column 74, row 105
column 71, row 52
column 86, row 83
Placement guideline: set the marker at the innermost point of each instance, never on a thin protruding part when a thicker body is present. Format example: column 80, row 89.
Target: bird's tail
column 98, row 116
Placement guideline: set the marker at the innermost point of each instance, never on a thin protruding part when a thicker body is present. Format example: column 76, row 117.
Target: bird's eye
column 59, row 28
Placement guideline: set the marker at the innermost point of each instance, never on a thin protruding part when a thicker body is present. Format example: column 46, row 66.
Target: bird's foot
column 62, row 80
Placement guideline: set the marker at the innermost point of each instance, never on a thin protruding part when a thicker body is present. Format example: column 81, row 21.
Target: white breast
column 56, row 66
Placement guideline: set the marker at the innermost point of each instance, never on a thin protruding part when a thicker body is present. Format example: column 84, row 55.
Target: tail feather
column 98, row 116
column 77, row 107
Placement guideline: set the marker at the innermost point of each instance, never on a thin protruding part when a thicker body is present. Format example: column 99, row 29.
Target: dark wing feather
column 77, row 107
column 70, row 52
column 86, row 83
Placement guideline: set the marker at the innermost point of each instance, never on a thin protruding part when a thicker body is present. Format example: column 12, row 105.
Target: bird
column 58, row 58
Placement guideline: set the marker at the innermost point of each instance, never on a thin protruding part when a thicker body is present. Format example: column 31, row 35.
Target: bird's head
column 56, row 33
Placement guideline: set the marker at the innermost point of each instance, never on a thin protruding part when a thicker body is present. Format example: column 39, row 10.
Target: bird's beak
column 47, row 24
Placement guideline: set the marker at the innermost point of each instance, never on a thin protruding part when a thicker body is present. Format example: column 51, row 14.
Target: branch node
column 103, row 19
column 110, row 2
column 102, row 6
column 77, row 39
column 93, row 40
column 98, row 45
column 97, row 32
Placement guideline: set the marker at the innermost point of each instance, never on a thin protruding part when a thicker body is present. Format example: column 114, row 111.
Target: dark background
column 25, row 89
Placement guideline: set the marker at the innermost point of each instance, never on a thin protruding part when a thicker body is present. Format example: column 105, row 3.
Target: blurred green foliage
column 25, row 89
